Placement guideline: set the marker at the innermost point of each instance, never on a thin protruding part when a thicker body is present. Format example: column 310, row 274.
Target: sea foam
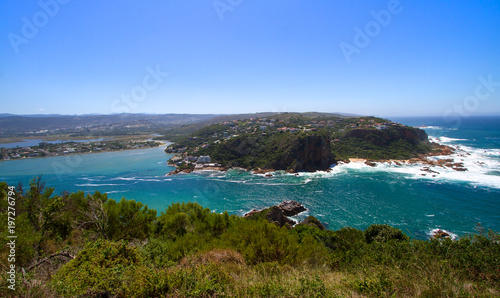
column 433, row 232
column 481, row 165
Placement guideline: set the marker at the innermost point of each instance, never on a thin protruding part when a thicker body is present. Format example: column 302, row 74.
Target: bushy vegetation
column 281, row 151
column 391, row 143
column 82, row 245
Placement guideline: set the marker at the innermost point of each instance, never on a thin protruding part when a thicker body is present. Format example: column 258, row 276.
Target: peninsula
column 47, row 149
column 296, row 142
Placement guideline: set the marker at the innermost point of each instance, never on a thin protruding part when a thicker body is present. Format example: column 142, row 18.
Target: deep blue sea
column 352, row 194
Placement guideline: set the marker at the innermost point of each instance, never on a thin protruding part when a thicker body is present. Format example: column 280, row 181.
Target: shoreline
column 441, row 150
column 68, row 138
column 91, row 152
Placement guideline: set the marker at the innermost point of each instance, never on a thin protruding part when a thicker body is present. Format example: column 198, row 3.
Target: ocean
column 353, row 195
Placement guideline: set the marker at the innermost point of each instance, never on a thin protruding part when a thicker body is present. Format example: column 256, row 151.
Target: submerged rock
column 370, row 163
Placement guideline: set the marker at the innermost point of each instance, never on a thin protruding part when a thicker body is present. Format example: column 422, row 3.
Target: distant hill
column 32, row 115
column 117, row 124
column 12, row 125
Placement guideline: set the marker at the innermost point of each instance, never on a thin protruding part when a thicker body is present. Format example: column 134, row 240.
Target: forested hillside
column 390, row 143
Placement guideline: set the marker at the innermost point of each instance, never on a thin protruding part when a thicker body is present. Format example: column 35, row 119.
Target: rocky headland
column 300, row 144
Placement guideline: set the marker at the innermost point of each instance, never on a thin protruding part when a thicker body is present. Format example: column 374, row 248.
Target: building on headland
column 191, row 158
column 203, row 159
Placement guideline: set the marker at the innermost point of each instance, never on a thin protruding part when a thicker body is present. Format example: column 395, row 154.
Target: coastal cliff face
column 292, row 152
column 311, row 153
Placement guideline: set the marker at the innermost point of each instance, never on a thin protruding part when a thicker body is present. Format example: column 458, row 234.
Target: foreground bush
column 101, row 267
column 123, row 249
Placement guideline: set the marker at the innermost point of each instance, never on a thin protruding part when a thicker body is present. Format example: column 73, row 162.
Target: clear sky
column 384, row 58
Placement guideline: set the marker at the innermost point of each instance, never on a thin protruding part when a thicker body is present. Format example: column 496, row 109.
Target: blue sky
column 385, row 58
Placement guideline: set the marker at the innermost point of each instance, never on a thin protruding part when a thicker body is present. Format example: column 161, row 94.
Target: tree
column 128, row 219
column 384, row 233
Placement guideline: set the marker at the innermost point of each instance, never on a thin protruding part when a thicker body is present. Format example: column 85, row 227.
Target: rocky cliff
column 310, row 153
column 287, row 151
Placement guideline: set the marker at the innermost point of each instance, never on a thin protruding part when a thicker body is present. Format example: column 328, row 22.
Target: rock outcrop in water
column 273, row 214
column 291, row 208
column 278, row 215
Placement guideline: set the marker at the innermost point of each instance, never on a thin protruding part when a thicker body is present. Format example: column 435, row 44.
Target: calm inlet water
column 350, row 195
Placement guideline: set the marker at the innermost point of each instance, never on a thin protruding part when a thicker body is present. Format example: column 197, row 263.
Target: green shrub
column 128, row 220
column 384, row 233
column 102, row 267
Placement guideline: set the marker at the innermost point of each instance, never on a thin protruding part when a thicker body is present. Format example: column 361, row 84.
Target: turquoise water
column 350, row 195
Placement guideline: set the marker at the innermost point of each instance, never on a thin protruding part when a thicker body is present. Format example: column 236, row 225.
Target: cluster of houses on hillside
column 280, row 125
column 58, row 149
column 35, row 151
